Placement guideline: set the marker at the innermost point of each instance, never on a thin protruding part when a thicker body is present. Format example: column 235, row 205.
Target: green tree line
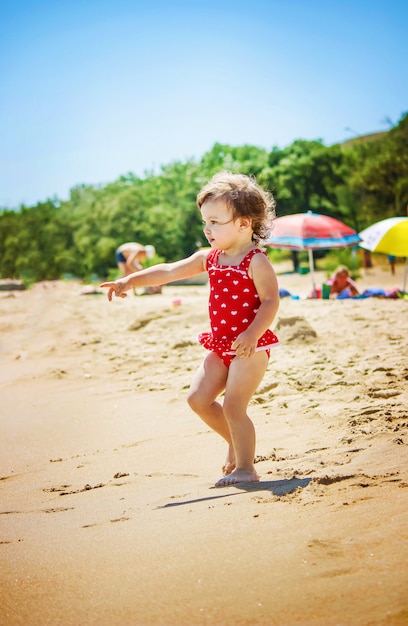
column 359, row 182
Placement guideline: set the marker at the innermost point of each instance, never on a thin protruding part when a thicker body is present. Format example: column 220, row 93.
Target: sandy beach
column 108, row 512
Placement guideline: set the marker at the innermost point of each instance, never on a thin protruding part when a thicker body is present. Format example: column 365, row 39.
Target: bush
column 349, row 257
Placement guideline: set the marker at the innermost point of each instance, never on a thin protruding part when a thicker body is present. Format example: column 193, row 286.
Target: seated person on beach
column 341, row 285
column 131, row 255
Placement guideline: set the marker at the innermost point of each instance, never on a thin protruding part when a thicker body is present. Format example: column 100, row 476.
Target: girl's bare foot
column 238, row 476
column 228, row 468
column 229, row 464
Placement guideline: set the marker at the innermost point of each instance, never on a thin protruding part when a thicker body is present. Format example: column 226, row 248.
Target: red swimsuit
column 233, row 304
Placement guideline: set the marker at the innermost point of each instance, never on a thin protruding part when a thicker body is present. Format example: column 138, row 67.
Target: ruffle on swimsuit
column 223, row 346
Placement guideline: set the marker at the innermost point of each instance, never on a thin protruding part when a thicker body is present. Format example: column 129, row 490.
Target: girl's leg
column 207, row 384
column 244, row 377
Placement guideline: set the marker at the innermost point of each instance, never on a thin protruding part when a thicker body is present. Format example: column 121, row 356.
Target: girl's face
column 219, row 226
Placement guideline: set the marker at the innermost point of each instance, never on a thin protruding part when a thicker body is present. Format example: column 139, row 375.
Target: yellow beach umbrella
column 389, row 236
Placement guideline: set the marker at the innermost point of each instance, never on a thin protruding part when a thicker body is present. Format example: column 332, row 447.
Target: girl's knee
column 195, row 401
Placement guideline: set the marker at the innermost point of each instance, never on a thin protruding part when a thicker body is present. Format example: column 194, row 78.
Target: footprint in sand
column 144, row 321
column 295, row 330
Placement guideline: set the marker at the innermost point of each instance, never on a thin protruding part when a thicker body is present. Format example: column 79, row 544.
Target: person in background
column 341, row 285
column 295, row 260
column 131, row 255
column 391, row 261
column 367, row 260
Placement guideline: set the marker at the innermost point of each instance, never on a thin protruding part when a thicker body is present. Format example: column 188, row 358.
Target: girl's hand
column 116, row 287
column 245, row 345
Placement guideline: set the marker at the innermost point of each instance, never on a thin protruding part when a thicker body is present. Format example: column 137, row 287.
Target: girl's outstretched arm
column 160, row 274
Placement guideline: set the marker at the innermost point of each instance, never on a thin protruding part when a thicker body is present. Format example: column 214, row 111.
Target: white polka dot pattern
column 233, row 304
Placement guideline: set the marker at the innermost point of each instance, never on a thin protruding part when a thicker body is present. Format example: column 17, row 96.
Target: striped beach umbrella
column 311, row 231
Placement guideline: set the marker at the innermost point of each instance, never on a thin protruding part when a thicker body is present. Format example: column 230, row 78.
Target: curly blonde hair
column 245, row 197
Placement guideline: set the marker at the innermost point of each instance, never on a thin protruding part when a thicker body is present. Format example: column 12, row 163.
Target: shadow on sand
column 275, row 487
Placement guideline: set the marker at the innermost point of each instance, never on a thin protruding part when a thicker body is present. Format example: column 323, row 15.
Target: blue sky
column 91, row 90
